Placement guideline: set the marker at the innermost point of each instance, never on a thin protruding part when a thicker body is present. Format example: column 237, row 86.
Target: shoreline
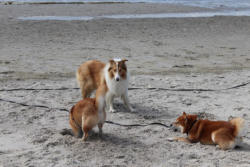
column 144, row 11
column 139, row 16
column 213, row 5
column 210, row 44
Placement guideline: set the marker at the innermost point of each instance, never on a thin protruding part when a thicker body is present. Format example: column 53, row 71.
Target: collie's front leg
column 109, row 101
column 126, row 102
column 100, row 125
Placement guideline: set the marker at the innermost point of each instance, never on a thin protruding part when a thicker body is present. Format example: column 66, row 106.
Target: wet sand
column 171, row 53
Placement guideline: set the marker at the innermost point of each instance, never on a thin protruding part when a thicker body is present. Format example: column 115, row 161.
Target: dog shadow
column 243, row 147
column 108, row 138
column 113, row 139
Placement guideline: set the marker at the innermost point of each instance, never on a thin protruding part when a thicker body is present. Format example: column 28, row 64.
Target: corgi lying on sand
column 88, row 113
column 226, row 134
column 116, row 76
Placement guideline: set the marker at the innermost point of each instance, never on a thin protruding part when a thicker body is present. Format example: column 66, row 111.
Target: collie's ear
column 111, row 61
column 124, row 60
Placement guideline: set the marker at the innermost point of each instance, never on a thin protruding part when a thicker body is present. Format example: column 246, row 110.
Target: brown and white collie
column 225, row 134
column 88, row 113
column 116, row 76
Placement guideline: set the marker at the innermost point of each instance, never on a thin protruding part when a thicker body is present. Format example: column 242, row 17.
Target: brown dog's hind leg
column 75, row 128
column 186, row 140
column 100, row 125
column 86, row 133
column 224, row 138
column 225, row 145
column 88, row 124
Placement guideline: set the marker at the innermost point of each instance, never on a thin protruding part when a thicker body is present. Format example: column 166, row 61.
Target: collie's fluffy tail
column 78, row 78
column 239, row 124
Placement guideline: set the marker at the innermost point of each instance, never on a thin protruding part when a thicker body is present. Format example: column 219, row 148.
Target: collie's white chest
column 117, row 88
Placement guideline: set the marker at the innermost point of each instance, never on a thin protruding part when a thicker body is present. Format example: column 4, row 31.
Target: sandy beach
column 170, row 53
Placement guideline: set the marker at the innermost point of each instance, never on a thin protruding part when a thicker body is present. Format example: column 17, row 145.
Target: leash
column 135, row 88
column 63, row 109
column 34, row 106
column 111, row 122
column 32, row 89
column 136, row 125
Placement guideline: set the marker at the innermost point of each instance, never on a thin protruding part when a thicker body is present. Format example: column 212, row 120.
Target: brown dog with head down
column 88, row 113
column 226, row 134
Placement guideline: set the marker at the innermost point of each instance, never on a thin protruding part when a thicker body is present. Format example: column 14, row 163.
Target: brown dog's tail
column 76, row 129
column 71, row 113
column 71, row 118
column 239, row 124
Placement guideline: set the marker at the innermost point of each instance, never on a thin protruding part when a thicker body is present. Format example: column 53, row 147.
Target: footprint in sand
column 230, row 48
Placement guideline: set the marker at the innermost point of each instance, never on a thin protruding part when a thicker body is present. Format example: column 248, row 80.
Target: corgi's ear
column 124, row 60
column 184, row 114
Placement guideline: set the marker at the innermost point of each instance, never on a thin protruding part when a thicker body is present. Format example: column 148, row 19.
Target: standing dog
column 89, row 76
column 88, row 113
column 116, row 76
column 227, row 134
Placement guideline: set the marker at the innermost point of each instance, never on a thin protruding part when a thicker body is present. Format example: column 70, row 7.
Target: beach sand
column 170, row 53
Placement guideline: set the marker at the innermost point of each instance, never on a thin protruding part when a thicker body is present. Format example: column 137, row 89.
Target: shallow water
column 139, row 16
column 59, row 18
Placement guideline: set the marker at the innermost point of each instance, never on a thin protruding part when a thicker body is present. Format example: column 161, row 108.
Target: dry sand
column 207, row 53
